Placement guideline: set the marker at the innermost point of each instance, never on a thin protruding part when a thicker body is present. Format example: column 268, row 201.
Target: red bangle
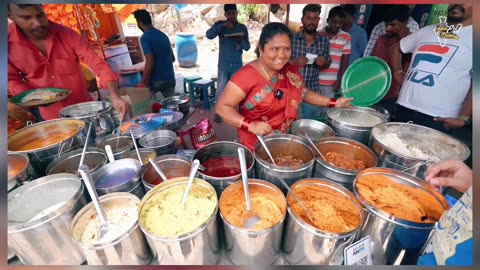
column 245, row 124
column 332, row 102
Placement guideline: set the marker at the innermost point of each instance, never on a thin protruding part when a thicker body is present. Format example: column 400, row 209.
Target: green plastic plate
column 367, row 80
column 24, row 99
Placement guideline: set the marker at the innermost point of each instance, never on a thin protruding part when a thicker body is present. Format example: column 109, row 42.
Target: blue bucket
column 187, row 52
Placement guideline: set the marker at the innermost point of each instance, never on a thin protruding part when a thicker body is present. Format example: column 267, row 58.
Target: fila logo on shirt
column 429, row 61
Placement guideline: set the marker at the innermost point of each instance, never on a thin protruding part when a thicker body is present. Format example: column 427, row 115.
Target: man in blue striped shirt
column 310, row 52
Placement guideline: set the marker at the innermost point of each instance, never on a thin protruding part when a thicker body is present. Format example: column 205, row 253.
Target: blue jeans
column 312, row 111
column 224, row 75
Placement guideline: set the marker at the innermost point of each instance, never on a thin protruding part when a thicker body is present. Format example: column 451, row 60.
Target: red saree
column 261, row 104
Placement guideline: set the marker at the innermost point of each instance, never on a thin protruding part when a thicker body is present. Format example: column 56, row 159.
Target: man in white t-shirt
column 437, row 87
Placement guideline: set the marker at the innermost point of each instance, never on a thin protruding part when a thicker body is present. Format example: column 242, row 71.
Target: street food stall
column 161, row 188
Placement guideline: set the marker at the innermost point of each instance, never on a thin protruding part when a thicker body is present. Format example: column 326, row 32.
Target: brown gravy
column 53, row 138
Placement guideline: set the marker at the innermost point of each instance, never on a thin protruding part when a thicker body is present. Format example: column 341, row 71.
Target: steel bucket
column 348, row 147
column 222, row 166
column 120, row 145
column 41, row 155
column 172, row 166
column 395, row 241
column 98, row 113
column 128, row 247
column 68, row 162
column 46, row 240
column 19, row 170
column 283, row 145
column 162, row 141
column 304, row 244
column 197, row 247
column 251, row 246
column 180, row 103
column 354, row 123
column 429, row 141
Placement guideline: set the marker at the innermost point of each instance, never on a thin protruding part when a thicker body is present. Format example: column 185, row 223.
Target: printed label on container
column 358, row 253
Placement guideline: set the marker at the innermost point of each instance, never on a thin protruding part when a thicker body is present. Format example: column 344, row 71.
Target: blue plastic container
column 187, row 52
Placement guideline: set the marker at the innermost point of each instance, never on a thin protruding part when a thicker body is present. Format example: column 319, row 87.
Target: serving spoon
column 157, row 169
column 266, row 149
column 250, row 219
column 191, row 176
column 315, row 147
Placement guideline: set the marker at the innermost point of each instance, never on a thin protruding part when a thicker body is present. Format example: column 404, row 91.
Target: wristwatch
column 466, row 119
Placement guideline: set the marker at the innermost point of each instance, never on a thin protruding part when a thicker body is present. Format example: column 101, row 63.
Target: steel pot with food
column 222, row 166
column 19, row 170
column 181, row 234
column 162, row 141
column 401, row 212
column 412, row 148
column 98, row 113
column 120, row 144
column 345, row 158
column 172, row 166
column 68, row 162
column 39, row 215
column 260, row 245
column 337, row 218
column 293, row 155
column 46, row 141
column 125, row 244
column 354, row 122
column 122, row 175
column 145, row 154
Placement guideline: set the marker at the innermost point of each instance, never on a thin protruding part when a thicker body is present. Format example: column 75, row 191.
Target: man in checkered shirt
column 309, row 44
column 381, row 29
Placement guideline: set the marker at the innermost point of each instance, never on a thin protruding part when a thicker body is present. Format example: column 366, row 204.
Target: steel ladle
column 266, row 149
column 250, row 219
column 136, row 148
column 157, row 169
column 314, row 146
column 105, row 226
column 191, row 176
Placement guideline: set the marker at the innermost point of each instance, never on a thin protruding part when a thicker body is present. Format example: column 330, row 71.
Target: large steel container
column 394, row 240
column 314, row 129
column 222, row 166
column 120, row 144
column 39, row 215
column 198, row 247
column 128, row 247
column 69, row 162
column 252, row 246
column 98, row 113
column 283, row 145
column 412, row 148
column 304, row 244
column 354, row 122
column 162, row 141
column 347, row 147
column 46, row 141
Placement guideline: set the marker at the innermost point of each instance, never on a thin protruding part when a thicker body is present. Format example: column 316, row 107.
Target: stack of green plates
column 367, row 80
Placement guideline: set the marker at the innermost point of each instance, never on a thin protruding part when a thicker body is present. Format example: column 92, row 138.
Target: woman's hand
column 260, row 128
column 450, row 173
column 343, row 102
column 121, row 106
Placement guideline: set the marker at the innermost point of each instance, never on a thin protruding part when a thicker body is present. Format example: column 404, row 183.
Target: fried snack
column 402, row 201
column 330, row 211
column 268, row 206
column 344, row 162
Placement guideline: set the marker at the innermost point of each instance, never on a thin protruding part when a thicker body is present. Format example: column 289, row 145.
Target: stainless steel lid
column 356, row 116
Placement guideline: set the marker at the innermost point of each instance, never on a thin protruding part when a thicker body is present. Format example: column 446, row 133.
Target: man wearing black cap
column 233, row 40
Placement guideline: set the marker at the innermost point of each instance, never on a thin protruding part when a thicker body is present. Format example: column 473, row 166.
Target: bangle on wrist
column 245, row 124
column 398, row 71
column 332, row 102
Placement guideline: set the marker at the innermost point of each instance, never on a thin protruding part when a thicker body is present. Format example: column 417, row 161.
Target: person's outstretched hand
column 450, row 173
column 343, row 102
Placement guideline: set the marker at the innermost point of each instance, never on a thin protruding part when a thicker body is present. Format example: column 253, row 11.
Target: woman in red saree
column 268, row 90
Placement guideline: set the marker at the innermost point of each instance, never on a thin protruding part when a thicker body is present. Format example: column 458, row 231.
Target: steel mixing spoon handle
column 193, row 171
column 82, row 158
column 108, row 150
column 159, row 171
column 87, row 179
column 266, row 149
column 243, row 170
column 314, row 146
column 136, row 147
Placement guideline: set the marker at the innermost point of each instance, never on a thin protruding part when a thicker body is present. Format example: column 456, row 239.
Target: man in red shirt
column 43, row 54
